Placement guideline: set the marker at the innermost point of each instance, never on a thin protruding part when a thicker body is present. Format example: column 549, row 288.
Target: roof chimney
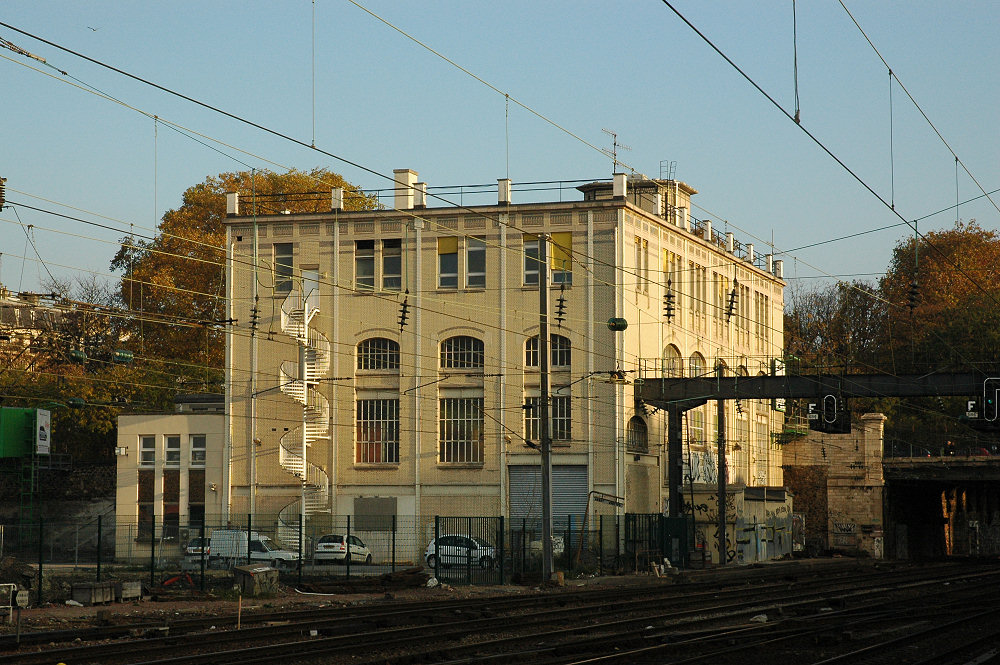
column 420, row 195
column 619, row 188
column 503, row 191
column 232, row 203
column 406, row 181
column 337, row 198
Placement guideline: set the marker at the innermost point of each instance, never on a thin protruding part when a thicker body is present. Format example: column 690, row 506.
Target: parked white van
column 230, row 546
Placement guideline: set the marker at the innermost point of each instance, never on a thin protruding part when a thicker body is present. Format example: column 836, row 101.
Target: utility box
column 93, row 593
column 24, row 432
column 126, row 591
column 256, row 580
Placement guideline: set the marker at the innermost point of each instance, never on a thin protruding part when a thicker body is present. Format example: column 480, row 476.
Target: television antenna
column 613, row 153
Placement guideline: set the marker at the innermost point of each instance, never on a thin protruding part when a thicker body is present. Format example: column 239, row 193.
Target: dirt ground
column 181, row 600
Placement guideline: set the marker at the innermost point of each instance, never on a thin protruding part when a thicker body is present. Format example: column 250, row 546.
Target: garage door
column 569, row 494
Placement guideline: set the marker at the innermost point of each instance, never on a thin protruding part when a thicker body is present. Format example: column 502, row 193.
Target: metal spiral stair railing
column 296, row 313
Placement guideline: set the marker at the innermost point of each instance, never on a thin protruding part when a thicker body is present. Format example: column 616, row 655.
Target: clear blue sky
column 385, row 102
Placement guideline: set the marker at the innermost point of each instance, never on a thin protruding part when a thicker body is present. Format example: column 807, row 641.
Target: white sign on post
column 43, row 431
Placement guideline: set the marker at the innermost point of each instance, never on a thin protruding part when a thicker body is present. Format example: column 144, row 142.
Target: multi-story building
column 390, row 357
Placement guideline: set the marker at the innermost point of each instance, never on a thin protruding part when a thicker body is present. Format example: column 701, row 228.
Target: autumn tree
column 173, row 283
column 936, row 309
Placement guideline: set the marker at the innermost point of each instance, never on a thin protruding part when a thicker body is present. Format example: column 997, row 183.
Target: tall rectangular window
column 530, row 259
column 641, row 265
column 171, row 502
column 448, row 263
column 196, row 498
column 283, row 265
column 377, row 431
column 147, row 450
column 475, row 263
column 392, row 264
column 364, row 264
column 562, row 258
column 173, row 450
column 198, row 447
column 145, row 482
column 460, row 437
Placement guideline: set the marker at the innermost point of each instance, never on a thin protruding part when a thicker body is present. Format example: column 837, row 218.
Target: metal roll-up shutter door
column 569, row 493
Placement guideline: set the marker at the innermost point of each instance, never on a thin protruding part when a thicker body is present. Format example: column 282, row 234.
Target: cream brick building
column 428, row 418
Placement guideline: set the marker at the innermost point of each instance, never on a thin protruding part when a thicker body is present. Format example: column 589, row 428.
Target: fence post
column 347, row 554
column 99, row 547
column 301, row 533
column 41, row 556
column 524, row 550
column 437, row 536
column 468, row 554
column 394, row 543
column 600, row 545
column 152, row 549
column 204, row 546
column 249, row 531
column 502, row 550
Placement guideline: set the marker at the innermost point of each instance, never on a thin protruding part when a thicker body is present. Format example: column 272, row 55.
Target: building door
column 569, row 494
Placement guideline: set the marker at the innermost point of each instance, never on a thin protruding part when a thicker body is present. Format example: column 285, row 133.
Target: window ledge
column 376, row 465
column 461, row 465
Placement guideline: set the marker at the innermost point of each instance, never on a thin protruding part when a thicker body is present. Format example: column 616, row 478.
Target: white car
column 460, row 551
column 333, row 547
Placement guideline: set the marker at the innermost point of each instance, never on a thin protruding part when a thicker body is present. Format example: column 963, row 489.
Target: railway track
column 659, row 622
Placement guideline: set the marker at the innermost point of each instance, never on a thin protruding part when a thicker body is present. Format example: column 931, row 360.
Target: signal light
column 991, row 395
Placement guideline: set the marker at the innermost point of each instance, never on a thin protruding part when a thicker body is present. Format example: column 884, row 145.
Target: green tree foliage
column 173, row 284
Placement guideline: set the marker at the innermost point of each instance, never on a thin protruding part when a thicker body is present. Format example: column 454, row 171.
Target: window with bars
column 198, row 448
column 378, row 353
column 462, row 352
column 173, row 450
column 460, row 432
column 475, row 263
column 364, row 264
column 637, row 435
column 560, row 351
column 147, row 450
column 560, row 417
column 377, row 426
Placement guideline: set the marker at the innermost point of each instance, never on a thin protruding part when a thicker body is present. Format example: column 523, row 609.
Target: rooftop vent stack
column 420, row 195
column 337, row 198
column 730, row 242
column 685, row 219
column 770, row 263
column 619, row 189
column 779, row 268
column 503, row 191
column 750, row 255
column 708, row 229
column 232, row 203
column 659, row 204
column 406, row 181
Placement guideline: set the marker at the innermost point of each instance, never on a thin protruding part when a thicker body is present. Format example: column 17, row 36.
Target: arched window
column 637, row 435
column 378, row 353
column 696, row 365
column 462, row 352
column 560, row 351
column 673, row 364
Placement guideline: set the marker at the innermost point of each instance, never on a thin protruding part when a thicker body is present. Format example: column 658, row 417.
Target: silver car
column 455, row 550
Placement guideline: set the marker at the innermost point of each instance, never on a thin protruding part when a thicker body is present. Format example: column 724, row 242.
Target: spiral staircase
column 299, row 380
